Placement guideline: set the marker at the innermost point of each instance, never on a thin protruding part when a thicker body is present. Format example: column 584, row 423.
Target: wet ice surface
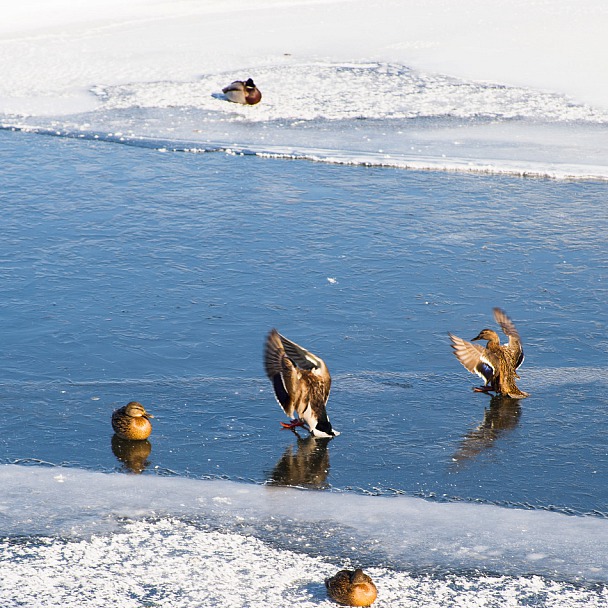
column 130, row 274
column 133, row 274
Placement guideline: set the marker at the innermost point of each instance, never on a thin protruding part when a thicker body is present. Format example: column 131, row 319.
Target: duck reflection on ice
column 307, row 467
column 132, row 454
column 502, row 416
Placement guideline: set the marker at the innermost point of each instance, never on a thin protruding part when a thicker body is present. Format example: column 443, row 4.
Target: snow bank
column 404, row 532
column 52, row 54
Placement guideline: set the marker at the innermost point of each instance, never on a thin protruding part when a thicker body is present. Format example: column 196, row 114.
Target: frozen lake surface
column 129, row 273
column 153, row 233
column 132, row 274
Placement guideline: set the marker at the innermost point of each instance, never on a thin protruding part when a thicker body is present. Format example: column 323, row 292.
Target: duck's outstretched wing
column 281, row 371
column 509, row 329
column 303, row 358
column 474, row 358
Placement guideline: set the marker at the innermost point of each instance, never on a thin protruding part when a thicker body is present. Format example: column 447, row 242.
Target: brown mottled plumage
column 301, row 383
column 132, row 421
column 244, row 92
column 496, row 364
column 352, row 588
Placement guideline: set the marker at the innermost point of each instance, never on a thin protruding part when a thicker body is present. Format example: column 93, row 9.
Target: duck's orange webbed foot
column 293, row 424
column 483, row 389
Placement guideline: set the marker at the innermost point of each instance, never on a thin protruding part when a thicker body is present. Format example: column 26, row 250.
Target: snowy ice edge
column 175, row 563
column 406, row 532
column 401, row 119
column 529, row 169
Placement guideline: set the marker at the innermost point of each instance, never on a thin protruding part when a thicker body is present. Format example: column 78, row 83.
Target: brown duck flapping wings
column 278, row 346
column 301, row 382
column 286, row 363
column 474, row 357
column 509, row 329
column 496, row 363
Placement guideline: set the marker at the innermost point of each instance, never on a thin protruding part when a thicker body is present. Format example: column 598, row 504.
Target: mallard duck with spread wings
column 301, row 383
column 497, row 363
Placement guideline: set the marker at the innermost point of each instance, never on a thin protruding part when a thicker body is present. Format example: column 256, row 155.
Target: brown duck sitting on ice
column 301, row 384
column 496, row 364
column 244, row 92
column 352, row 588
column 132, row 421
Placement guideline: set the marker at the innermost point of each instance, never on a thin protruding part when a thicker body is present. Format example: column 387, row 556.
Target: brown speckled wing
column 474, row 358
column 338, row 584
column 119, row 422
column 509, row 329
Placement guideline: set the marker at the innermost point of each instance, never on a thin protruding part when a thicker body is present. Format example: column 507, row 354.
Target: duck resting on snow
column 301, row 383
column 352, row 588
column 243, row 91
column 497, row 363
